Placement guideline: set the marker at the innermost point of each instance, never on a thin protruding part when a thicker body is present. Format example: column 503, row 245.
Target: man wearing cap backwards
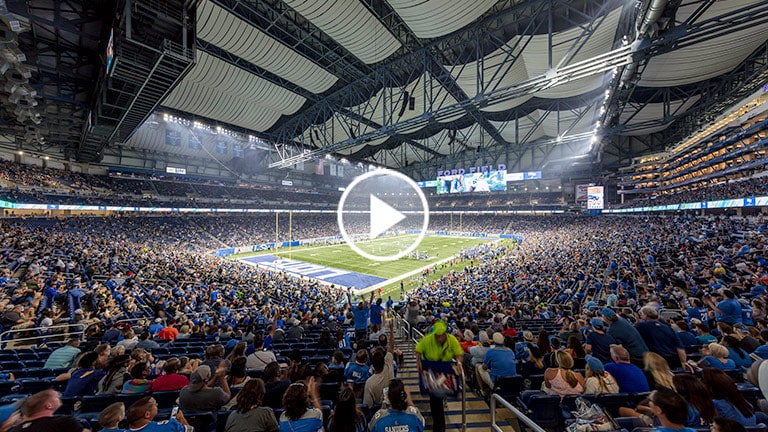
column 438, row 346
column 199, row 396
column 499, row 362
column 625, row 334
column 38, row 411
column 156, row 326
column 599, row 342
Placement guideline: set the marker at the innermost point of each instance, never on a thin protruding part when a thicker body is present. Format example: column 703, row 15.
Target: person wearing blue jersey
column 377, row 312
column 746, row 313
column 696, row 310
column 142, row 413
column 398, row 412
column 358, row 371
column 362, row 313
column 727, row 310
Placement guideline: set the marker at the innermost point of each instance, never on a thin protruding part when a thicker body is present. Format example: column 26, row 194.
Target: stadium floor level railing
column 56, row 333
column 521, row 417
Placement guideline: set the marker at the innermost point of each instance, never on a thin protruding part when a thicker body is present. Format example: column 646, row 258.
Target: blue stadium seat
column 95, row 403
column 26, row 356
column 221, row 420
column 38, row 372
column 201, row 421
column 330, row 391
column 7, row 357
column 541, row 408
column 67, row 406
column 129, row 399
column 11, row 365
column 9, row 387
column 34, row 385
column 509, row 387
column 255, row 373
column 612, row 402
column 13, row 397
column 166, row 399
column 534, row 382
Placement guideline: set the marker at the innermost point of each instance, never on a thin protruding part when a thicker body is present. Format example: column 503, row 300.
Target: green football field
column 341, row 256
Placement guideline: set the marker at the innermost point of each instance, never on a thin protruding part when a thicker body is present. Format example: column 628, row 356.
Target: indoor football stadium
column 383, row 215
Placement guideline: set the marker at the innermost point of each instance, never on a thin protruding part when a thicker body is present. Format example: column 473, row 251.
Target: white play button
column 383, row 217
column 383, row 201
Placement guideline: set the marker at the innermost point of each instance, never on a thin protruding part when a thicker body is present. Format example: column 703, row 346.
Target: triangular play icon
column 383, row 217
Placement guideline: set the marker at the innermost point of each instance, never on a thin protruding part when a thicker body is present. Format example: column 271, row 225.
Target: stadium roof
column 409, row 84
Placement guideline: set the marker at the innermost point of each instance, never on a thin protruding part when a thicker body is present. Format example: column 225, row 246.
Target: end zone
column 321, row 273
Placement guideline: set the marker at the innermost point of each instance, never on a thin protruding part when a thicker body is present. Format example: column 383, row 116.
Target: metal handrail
column 68, row 331
column 519, row 414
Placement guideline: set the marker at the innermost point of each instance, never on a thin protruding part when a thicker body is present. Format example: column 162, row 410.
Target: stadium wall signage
column 471, row 170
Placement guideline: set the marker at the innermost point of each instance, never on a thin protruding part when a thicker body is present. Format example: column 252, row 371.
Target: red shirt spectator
column 168, row 333
column 170, row 379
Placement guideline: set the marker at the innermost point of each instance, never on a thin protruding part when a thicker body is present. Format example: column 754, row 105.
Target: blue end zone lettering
column 316, row 271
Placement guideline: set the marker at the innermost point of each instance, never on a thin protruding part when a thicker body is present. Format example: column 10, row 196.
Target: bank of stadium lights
column 168, row 118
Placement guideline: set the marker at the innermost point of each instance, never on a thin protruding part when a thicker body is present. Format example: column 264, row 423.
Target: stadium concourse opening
column 563, row 226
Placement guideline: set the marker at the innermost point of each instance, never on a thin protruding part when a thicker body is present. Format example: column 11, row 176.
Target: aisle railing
column 521, row 417
column 414, row 335
column 17, row 338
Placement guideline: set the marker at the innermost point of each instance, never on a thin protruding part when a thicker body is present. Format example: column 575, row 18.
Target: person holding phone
column 398, row 410
column 141, row 417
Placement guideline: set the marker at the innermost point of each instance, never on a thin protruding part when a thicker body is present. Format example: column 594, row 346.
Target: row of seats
column 552, row 411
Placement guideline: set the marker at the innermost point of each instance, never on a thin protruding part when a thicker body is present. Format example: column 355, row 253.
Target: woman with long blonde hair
column 657, row 371
column 563, row 380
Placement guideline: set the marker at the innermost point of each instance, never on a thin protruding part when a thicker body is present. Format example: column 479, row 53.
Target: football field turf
column 341, row 256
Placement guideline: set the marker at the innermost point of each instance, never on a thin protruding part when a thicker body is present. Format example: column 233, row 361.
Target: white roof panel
column 351, row 25
column 706, row 59
column 223, row 29
column 433, row 18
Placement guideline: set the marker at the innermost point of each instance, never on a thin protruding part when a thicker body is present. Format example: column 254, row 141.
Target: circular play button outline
column 379, row 173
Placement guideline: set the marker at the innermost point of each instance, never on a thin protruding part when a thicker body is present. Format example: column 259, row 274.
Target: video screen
column 487, row 181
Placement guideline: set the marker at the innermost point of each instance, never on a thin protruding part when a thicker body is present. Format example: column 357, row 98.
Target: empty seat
column 509, row 387
column 201, row 421
column 612, row 402
column 95, row 403
column 541, row 408
column 38, row 372
column 34, row 385
column 8, row 387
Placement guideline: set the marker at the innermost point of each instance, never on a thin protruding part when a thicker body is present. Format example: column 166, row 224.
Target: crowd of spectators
column 734, row 188
column 36, row 185
column 582, row 305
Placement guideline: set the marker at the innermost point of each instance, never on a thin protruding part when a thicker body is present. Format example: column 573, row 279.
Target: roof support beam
column 429, row 57
column 276, row 19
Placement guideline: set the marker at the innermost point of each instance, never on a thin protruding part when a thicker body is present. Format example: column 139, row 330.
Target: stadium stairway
column 478, row 410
